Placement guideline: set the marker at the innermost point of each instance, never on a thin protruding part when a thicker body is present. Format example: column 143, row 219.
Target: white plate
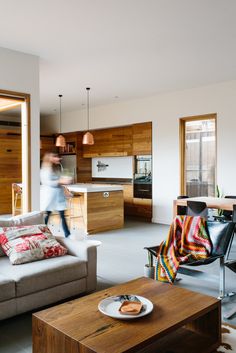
column 110, row 307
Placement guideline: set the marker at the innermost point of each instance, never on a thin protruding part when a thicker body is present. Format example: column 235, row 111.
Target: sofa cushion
column 7, row 288
column 30, row 218
column 29, row 243
column 35, row 276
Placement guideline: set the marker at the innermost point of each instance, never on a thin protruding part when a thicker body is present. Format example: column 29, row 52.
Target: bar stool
column 70, row 198
column 17, row 192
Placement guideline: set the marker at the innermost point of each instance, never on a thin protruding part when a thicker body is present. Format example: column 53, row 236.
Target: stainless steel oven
column 143, row 177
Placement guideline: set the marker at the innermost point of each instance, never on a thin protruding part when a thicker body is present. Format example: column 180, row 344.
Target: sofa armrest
column 85, row 251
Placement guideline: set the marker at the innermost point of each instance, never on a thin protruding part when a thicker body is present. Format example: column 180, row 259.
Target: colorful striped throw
column 187, row 240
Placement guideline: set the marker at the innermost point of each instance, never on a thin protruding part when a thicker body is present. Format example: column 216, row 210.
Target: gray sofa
column 36, row 284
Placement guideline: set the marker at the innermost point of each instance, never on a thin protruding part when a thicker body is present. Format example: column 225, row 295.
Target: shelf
column 67, row 153
column 70, row 147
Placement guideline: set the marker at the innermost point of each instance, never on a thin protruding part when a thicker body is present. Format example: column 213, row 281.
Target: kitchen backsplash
column 112, row 167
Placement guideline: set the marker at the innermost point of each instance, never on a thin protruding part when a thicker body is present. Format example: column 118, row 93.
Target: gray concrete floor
column 121, row 257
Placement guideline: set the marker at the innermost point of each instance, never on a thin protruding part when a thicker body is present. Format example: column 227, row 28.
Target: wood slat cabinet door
column 112, row 142
column 84, row 165
column 141, row 208
column 142, row 139
column 47, row 144
column 10, row 169
column 128, row 198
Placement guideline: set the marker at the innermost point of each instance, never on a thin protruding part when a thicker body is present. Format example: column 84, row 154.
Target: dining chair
column 182, row 210
column 197, row 208
column 221, row 235
column 226, row 215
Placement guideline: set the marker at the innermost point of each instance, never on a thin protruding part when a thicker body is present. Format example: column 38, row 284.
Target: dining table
column 211, row 202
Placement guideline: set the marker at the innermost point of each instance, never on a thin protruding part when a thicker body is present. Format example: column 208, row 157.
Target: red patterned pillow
column 29, row 243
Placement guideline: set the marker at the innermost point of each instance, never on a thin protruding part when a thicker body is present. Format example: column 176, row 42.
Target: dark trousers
column 63, row 221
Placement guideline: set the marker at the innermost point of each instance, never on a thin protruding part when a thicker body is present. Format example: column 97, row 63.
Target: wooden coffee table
column 182, row 321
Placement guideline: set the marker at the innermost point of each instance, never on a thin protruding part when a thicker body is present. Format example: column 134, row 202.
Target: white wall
column 164, row 111
column 117, row 167
column 20, row 72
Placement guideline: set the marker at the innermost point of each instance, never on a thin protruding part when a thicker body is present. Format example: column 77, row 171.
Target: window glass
column 200, row 157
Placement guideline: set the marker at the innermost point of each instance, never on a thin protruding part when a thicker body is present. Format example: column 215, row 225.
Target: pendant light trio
column 87, row 138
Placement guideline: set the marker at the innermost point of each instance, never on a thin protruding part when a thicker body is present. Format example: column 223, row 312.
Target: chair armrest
column 79, row 248
column 153, row 249
column 86, row 251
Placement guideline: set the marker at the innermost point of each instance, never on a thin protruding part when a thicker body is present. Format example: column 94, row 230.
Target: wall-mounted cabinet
column 142, row 139
column 84, row 165
column 47, row 144
column 121, row 141
column 112, row 142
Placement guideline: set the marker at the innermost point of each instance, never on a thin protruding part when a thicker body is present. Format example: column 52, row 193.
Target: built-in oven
column 143, row 177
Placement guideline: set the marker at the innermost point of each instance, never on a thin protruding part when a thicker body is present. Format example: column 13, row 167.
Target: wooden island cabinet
column 103, row 206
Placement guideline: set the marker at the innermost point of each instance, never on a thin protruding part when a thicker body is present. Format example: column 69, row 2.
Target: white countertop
column 93, row 187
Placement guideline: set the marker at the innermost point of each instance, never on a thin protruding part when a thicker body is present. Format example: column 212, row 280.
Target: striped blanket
column 187, row 240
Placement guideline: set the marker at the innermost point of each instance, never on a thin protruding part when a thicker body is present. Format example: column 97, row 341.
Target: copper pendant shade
column 88, row 137
column 60, row 141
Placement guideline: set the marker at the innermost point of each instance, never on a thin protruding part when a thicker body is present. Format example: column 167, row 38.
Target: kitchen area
column 121, row 159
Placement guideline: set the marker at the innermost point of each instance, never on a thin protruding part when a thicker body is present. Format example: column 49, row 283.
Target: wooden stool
column 17, row 192
column 70, row 198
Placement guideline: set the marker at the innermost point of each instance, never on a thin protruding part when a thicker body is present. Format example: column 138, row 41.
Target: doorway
column 14, row 153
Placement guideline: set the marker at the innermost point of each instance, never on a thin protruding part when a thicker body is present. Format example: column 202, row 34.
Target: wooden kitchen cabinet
column 143, row 208
column 142, row 139
column 84, row 165
column 121, row 141
column 136, row 207
column 112, row 142
column 47, row 144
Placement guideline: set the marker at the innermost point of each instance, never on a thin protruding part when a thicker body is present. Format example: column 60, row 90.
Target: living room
column 145, row 61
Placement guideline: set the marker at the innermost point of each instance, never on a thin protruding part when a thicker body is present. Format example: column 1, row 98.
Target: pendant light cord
column 60, row 95
column 88, row 89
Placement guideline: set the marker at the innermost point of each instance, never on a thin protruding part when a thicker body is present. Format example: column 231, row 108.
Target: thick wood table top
column 212, row 202
column 81, row 322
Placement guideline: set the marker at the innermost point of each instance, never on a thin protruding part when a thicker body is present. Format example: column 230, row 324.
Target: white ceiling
column 124, row 48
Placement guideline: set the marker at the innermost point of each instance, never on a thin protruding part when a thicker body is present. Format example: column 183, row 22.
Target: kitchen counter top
column 112, row 182
column 93, row 187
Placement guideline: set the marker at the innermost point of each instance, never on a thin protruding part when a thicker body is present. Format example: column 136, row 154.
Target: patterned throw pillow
column 29, row 243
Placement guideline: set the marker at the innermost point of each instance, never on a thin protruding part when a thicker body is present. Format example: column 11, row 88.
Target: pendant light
column 60, row 141
column 88, row 137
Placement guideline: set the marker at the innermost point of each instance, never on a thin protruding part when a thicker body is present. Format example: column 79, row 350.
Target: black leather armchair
column 221, row 235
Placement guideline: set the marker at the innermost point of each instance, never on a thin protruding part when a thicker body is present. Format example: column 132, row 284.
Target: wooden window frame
column 26, row 166
column 182, row 130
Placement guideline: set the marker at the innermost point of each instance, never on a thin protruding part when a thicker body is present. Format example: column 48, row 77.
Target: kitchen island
column 102, row 206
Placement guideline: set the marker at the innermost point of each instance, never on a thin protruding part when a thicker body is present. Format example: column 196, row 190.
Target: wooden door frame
column 24, row 98
column 182, row 122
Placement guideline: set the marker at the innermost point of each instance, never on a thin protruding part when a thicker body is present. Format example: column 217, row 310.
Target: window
column 198, row 155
